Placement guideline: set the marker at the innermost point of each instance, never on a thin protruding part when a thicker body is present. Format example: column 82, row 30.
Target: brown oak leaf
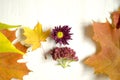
column 9, row 67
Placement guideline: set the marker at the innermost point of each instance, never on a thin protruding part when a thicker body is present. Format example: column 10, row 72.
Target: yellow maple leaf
column 36, row 36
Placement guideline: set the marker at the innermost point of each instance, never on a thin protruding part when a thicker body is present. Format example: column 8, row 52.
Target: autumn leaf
column 116, row 19
column 9, row 68
column 10, row 35
column 36, row 36
column 7, row 46
column 7, row 26
column 107, row 60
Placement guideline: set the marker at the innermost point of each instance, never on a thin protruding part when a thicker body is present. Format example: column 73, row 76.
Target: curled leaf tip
column 116, row 19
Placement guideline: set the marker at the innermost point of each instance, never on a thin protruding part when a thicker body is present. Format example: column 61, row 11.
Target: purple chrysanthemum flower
column 61, row 34
column 63, row 55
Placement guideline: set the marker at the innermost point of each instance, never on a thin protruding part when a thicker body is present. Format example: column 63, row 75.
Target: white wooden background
column 75, row 13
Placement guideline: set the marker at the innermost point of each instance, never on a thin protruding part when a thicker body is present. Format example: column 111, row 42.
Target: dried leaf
column 7, row 26
column 36, row 36
column 7, row 46
column 9, row 68
column 107, row 60
column 116, row 19
column 10, row 35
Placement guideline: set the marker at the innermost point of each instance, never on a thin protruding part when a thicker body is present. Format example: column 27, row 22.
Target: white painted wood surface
column 75, row 13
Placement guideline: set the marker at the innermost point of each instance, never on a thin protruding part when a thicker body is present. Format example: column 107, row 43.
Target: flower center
column 60, row 34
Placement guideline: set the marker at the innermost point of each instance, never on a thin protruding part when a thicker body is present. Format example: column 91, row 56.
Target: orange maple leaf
column 107, row 60
column 9, row 68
